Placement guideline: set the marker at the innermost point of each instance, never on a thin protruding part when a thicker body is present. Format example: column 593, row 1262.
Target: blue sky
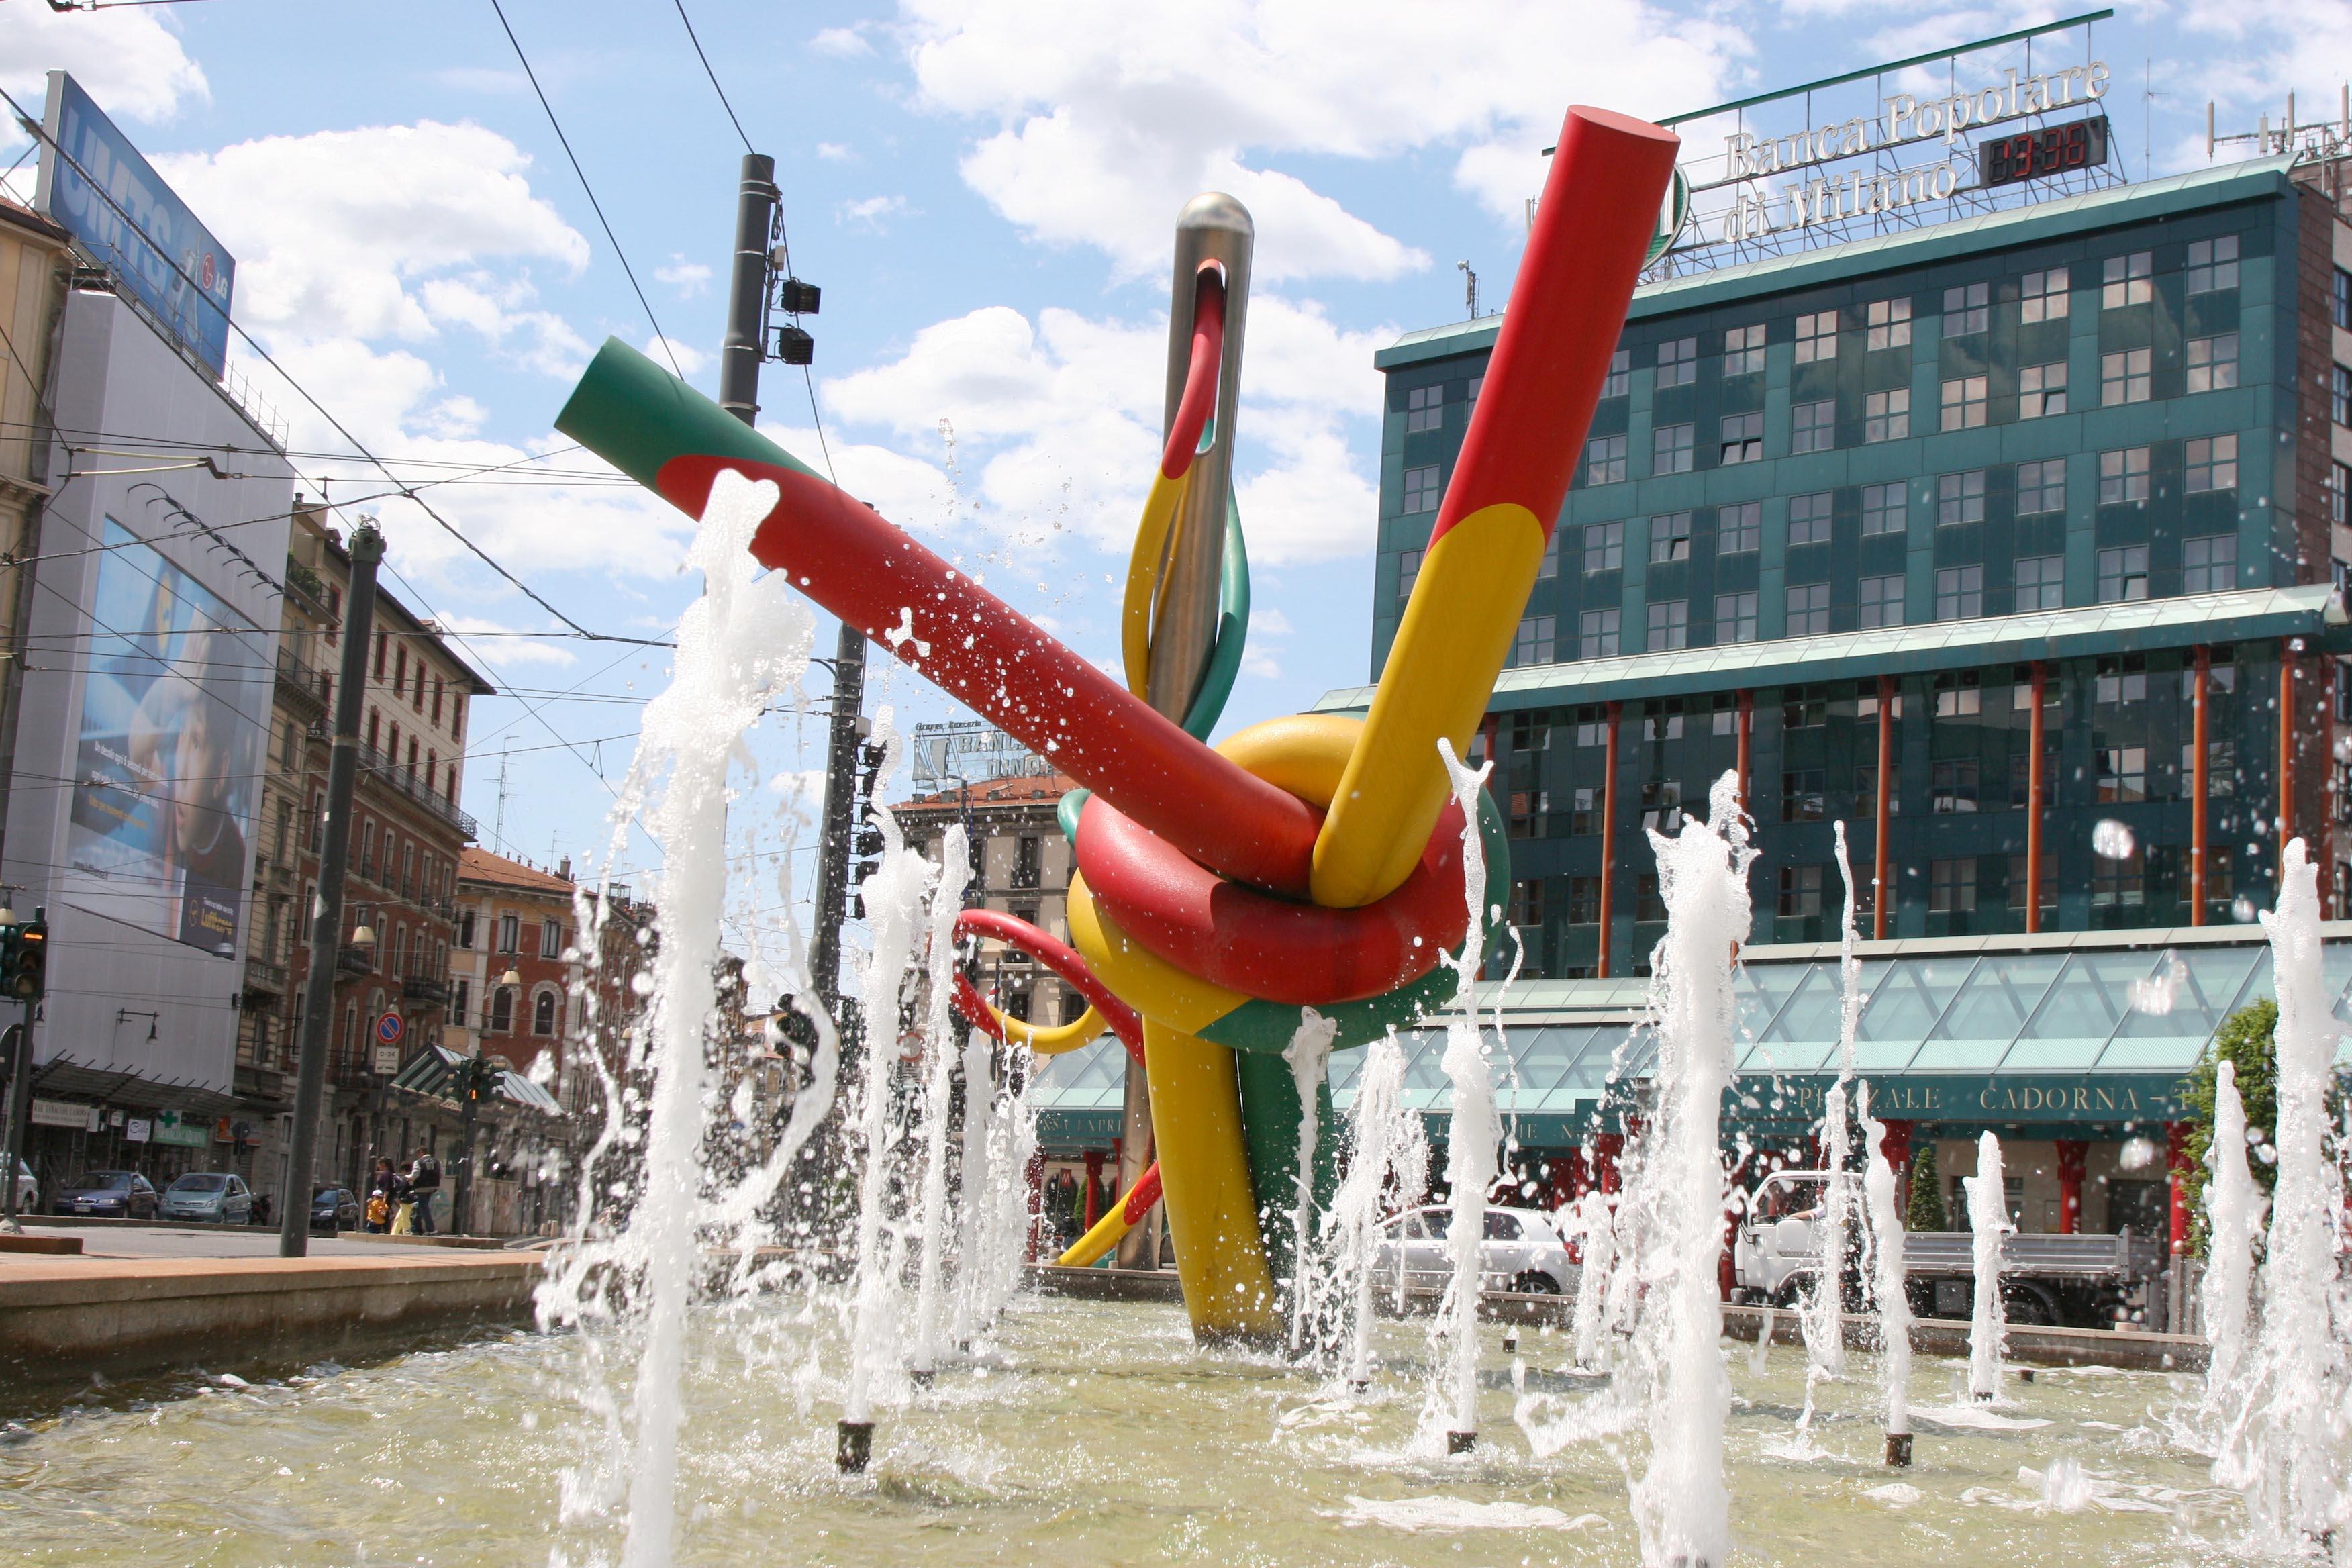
column 984, row 189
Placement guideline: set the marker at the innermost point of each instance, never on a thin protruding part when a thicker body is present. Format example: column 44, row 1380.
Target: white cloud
column 1029, row 428
column 1106, row 119
column 869, row 213
column 2297, row 46
column 833, row 153
column 842, row 43
column 386, row 231
column 669, row 351
column 127, row 59
column 499, row 641
column 689, row 278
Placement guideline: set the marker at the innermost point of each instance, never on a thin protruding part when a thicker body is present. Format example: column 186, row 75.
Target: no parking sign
column 388, row 1031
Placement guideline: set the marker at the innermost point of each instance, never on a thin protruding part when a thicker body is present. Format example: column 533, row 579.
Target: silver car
column 1522, row 1251
column 215, row 1197
column 28, row 1190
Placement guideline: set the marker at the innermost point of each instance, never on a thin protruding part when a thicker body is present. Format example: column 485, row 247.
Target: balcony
column 303, row 687
column 425, row 990
column 261, row 975
column 351, row 960
column 407, row 783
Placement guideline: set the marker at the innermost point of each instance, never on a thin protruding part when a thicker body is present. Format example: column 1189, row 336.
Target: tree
column 1926, row 1211
column 2246, row 1040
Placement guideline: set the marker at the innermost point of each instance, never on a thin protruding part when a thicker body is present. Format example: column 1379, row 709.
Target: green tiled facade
column 1797, row 454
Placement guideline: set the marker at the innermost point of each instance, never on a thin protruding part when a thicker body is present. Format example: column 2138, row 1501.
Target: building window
column 2339, row 300
column 1967, row 308
column 1743, row 438
column 2124, row 377
column 1649, row 905
column 1028, row 861
column 1661, row 812
column 1547, row 569
column 1678, row 361
column 2044, row 296
column 1881, row 602
column 2208, row 565
column 2041, row 583
column 1809, row 518
column 2123, row 476
column 1805, row 708
column 1669, row 625
column 1882, row 508
column 1959, row 593
column 1743, row 350
column 2339, row 493
column 1740, row 528
column 461, row 995
column 501, row 1018
column 1670, row 449
column 1960, row 696
column 509, row 933
column 1964, row 402
column 1663, row 723
column 2119, row 884
column 2123, row 575
column 2049, row 881
column 2042, row 486
column 1735, row 617
column 1803, row 797
column 2339, row 395
column 1809, row 609
column 465, row 930
column 2212, row 264
column 2042, row 390
column 2213, row 363
column 1817, row 337
column 1597, row 633
column 1670, row 537
column 1959, row 498
column 2123, row 775
column 1952, row 885
column 1409, row 572
column 1424, row 408
column 542, row 1013
column 2121, row 680
column 1422, row 489
column 1952, row 786
column 1604, row 459
column 1887, row 415
column 1621, row 374
column 1812, row 427
column 1889, row 321
column 1801, row 891
column 1584, row 901
column 2211, row 463
column 2126, row 280
column 1604, row 547
column 1583, row 816
column 1534, row 643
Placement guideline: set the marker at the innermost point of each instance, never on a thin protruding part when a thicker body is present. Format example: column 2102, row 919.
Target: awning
column 62, row 1077
column 432, row 1072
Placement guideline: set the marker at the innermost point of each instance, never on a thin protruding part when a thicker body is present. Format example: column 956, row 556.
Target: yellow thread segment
column 1204, row 1181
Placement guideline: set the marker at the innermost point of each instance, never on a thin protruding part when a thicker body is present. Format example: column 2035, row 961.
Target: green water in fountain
column 1091, row 1433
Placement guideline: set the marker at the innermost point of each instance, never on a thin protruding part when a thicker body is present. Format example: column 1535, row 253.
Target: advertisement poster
column 167, row 780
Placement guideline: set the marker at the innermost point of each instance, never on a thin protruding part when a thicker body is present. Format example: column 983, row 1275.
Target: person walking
column 384, row 1189
column 424, row 1185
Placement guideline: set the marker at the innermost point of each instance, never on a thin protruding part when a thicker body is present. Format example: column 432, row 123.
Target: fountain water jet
column 2233, row 1214
column 1309, row 1055
column 2286, row 1446
column 1989, row 1223
column 938, row 1038
column 1472, row 1134
column 1681, row 1504
column 1389, row 1151
column 1823, row 1308
column 1889, row 1291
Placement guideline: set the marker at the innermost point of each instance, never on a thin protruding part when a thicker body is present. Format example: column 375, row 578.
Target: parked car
column 28, row 1191
column 1522, row 1251
column 214, row 1195
column 111, row 1195
column 334, row 1208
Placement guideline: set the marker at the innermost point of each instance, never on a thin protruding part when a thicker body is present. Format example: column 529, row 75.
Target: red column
column 2072, row 1154
column 1608, row 844
column 1896, row 1146
column 2033, row 804
column 2200, row 792
column 1882, row 888
column 1094, row 1175
column 1607, row 1147
column 2177, row 1167
column 1567, row 1181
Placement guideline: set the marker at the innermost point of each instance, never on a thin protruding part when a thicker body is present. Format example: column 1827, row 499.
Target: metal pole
column 840, row 813
column 327, row 921
column 20, row 1085
column 1212, row 231
column 742, row 348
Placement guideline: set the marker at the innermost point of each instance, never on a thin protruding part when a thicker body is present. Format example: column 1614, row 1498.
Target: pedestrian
column 424, row 1186
column 1062, row 1204
column 384, row 1188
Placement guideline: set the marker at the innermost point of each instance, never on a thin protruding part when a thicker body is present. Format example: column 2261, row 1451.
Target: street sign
column 387, row 1060
column 389, row 1028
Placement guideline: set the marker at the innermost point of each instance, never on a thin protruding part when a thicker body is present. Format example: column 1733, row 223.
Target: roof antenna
column 1470, row 289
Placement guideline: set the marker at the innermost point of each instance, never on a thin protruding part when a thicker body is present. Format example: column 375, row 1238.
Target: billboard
column 166, row 772
column 158, row 231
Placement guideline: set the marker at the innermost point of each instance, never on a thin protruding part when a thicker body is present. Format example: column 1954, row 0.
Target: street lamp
column 362, row 935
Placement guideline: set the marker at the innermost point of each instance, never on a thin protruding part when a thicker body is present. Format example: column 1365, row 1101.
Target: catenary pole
column 327, row 917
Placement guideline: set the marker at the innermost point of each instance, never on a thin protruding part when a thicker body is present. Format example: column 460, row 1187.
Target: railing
column 297, row 675
column 420, row 988
column 351, row 960
column 405, row 780
column 261, row 974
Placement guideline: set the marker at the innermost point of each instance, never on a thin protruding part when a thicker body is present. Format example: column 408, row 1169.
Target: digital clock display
column 2035, row 154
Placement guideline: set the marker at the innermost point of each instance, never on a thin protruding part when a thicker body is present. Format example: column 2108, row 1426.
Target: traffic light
column 866, row 839
column 476, row 1079
column 24, row 959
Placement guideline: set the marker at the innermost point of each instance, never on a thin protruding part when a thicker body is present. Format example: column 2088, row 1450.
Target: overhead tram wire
column 711, row 74
column 407, row 492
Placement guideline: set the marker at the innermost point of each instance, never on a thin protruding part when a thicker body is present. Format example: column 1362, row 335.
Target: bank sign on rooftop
column 1988, row 125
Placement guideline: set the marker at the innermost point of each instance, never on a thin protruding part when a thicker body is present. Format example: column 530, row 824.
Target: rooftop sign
column 111, row 200
column 1995, row 123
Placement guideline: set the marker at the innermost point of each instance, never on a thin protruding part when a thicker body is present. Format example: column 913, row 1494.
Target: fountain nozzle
column 1461, row 1442
column 854, row 1446
column 1898, row 1450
